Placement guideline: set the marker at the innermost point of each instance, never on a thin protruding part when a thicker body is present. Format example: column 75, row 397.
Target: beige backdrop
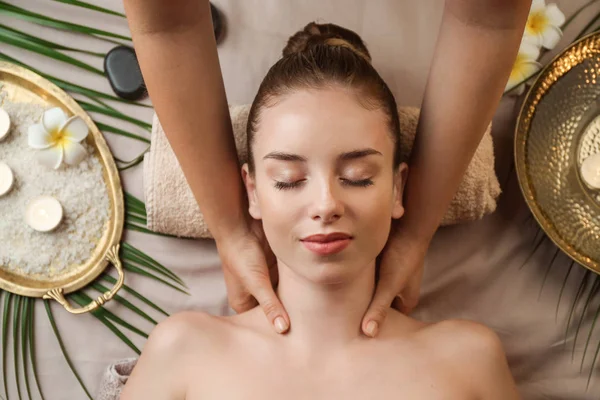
column 472, row 271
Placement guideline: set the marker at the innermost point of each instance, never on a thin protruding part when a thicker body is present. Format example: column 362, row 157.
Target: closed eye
column 359, row 183
column 288, row 185
column 348, row 182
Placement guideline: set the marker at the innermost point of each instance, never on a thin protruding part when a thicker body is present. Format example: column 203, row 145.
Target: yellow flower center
column 517, row 67
column 537, row 22
column 58, row 137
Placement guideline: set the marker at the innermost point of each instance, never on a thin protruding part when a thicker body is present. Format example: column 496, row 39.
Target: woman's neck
column 325, row 315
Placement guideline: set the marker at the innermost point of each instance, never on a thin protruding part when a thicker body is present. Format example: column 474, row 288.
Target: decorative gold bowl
column 558, row 127
column 24, row 86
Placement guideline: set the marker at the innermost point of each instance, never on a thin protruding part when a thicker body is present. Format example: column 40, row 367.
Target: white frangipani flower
column 58, row 138
column 525, row 65
column 543, row 24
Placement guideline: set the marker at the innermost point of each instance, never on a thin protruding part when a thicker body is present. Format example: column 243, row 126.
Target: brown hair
column 322, row 56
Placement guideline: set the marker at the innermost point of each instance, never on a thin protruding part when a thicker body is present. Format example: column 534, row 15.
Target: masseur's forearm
column 476, row 48
column 176, row 48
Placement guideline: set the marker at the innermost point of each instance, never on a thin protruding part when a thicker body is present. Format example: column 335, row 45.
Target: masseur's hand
column 250, row 270
column 400, row 274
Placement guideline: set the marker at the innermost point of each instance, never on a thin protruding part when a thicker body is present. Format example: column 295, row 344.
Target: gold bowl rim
column 561, row 64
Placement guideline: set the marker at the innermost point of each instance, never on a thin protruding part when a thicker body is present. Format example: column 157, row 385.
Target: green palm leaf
column 135, row 201
column 130, row 218
column 89, row 107
column 21, row 13
column 108, row 128
column 18, row 41
column 132, row 254
column 135, row 261
column 587, row 342
column 580, row 291
column 99, row 315
column 103, row 289
column 132, row 268
column 129, row 209
column 584, row 31
column 556, row 253
column 539, row 230
column 112, row 280
column 32, row 346
column 137, row 228
column 131, row 163
column 131, row 202
column 16, row 324
column 537, row 246
column 104, row 313
column 135, row 219
column 576, row 13
column 594, row 360
column 62, row 348
column 46, row 43
column 103, row 104
column 24, row 341
column 129, row 251
column 7, row 300
column 590, row 296
column 562, row 289
column 91, row 7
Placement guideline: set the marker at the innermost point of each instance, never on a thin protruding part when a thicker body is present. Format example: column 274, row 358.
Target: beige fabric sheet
column 472, row 271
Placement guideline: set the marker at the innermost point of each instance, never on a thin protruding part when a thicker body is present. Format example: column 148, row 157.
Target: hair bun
column 315, row 34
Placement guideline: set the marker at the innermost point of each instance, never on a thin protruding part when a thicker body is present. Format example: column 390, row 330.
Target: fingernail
column 372, row 328
column 280, row 325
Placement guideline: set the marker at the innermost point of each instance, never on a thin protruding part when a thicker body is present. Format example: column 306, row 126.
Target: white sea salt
column 80, row 189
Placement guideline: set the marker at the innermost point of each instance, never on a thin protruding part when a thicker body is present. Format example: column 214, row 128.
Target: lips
column 324, row 238
column 326, row 244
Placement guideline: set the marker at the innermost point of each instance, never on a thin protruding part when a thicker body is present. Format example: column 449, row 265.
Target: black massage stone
column 123, row 72
column 216, row 21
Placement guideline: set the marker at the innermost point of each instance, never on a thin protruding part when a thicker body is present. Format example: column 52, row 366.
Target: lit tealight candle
column 6, row 179
column 590, row 171
column 4, row 124
column 43, row 213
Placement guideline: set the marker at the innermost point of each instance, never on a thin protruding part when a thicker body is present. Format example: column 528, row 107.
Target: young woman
column 478, row 41
column 325, row 179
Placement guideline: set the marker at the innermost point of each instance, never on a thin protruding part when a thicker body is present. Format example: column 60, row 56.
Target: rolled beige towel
column 172, row 209
column 114, row 379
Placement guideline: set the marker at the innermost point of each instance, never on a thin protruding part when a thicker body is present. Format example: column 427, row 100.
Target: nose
column 327, row 207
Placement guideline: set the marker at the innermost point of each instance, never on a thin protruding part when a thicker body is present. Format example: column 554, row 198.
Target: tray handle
column 57, row 294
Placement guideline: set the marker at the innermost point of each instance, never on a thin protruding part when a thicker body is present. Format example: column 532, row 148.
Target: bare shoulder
column 170, row 356
column 464, row 336
column 185, row 330
column 193, row 330
column 453, row 338
column 476, row 353
column 461, row 356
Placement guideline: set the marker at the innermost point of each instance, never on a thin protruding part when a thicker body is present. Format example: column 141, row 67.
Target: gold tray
column 24, row 86
column 556, row 126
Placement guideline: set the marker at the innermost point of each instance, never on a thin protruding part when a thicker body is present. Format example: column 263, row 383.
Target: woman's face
column 323, row 165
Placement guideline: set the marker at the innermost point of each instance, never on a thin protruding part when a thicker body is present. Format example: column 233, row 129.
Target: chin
column 331, row 272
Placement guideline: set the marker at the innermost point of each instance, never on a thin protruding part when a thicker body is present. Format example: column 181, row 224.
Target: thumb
column 377, row 311
column 410, row 294
column 263, row 292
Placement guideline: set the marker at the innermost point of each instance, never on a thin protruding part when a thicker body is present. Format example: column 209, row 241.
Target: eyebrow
column 351, row 155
